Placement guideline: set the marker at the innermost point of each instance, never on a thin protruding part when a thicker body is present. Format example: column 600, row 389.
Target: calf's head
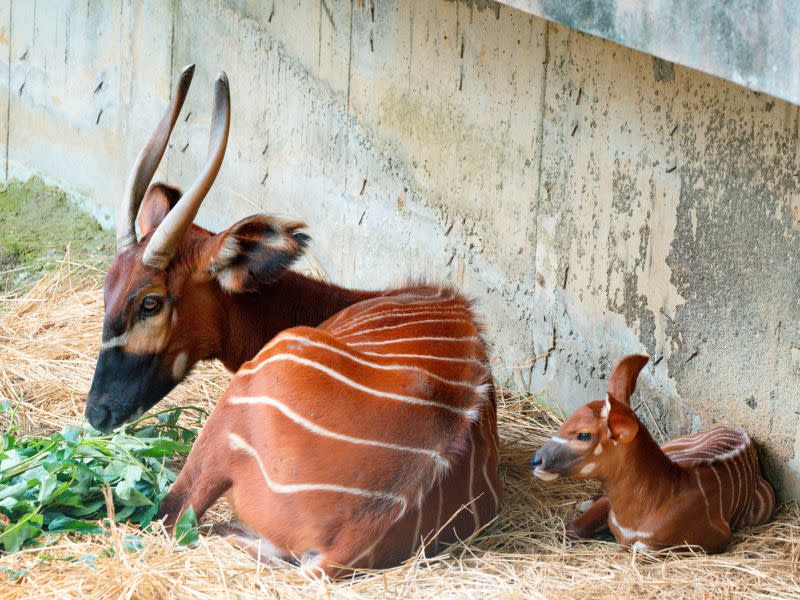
column 162, row 293
column 584, row 446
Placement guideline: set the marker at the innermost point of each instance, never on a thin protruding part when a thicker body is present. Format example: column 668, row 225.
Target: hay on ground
column 48, row 344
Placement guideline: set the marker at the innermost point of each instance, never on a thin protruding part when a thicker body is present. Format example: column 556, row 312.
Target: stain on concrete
column 663, row 70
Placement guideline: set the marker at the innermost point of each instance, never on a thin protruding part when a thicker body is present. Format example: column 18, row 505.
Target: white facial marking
column 598, row 450
column 545, row 475
column 115, row 342
column 558, row 440
column 179, row 365
column 588, row 468
column 606, row 407
column 585, row 505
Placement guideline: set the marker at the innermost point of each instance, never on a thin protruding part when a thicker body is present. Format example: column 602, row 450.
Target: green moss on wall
column 37, row 224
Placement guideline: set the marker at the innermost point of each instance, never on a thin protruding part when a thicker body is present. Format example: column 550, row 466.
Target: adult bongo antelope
column 365, row 426
column 693, row 490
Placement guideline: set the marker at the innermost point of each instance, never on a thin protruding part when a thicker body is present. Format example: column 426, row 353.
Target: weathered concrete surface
column 755, row 43
column 596, row 201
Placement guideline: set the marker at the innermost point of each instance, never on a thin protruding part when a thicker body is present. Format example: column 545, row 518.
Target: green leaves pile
column 51, row 485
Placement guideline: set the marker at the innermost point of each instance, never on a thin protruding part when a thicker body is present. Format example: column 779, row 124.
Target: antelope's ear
column 622, row 422
column 622, row 382
column 157, row 202
column 254, row 251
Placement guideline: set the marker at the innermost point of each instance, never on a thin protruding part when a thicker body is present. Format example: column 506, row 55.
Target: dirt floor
column 49, row 337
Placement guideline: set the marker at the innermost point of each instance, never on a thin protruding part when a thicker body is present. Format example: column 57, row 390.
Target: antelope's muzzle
column 124, row 386
column 552, row 460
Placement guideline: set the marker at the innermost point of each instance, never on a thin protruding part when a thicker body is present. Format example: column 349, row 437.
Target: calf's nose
column 536, row 461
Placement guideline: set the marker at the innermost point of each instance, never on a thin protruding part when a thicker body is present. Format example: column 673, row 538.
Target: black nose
column 536, row 461
column 99, row 417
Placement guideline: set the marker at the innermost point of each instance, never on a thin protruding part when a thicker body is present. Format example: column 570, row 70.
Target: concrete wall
column 755, row 43
column 595, row 200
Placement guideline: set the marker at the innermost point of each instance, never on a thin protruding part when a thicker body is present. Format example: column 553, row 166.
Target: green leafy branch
column 54, row 485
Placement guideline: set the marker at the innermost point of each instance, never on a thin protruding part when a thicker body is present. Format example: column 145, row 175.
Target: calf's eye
column 584, row 437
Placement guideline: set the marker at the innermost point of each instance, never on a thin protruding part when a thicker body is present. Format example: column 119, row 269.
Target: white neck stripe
column 628, row 533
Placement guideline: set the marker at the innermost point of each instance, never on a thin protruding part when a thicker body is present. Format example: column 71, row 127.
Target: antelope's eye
column 584, row 437
column 151, row 305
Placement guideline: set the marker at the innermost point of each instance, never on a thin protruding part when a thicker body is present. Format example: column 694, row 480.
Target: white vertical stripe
column 487, row 452
column 392, row 367
column 427, row 338
column 401, row 325
column 439, row 509
column 378, row 306
column 453, row 359
column 705, row 499
column 442, row 462
column 398, row 314
column 238, row 443
column 719, row 483
column 472, row 505
column 418, row 526
column 732, row 510
column 469, row 413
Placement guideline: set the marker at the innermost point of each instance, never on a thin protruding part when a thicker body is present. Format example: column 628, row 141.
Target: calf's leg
column 590, row 522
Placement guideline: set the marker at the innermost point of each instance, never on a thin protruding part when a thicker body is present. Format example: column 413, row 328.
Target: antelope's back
column 380, row 398
column 746, row 497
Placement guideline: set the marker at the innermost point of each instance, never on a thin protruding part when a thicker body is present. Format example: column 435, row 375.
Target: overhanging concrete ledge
column 754, row 43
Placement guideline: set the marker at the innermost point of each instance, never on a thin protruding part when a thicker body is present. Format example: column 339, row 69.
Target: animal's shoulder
column 713, row 446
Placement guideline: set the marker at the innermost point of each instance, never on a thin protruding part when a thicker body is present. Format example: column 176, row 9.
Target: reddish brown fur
column 339, row 528
column 201, row 319
column 693, row 490
column 351, row 438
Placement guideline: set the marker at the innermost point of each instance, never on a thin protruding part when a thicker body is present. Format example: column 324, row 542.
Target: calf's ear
column 622, row 382
column 622, row 422
column 252, row 252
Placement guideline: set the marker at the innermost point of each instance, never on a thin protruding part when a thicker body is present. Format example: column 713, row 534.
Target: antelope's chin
column 545, row 475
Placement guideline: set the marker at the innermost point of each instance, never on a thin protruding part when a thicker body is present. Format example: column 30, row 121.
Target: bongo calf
column 694, row 490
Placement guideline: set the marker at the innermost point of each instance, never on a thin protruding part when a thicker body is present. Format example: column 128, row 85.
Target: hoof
column 575, row 532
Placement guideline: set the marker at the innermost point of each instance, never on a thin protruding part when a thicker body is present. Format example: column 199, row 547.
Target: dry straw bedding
column 48, row 344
